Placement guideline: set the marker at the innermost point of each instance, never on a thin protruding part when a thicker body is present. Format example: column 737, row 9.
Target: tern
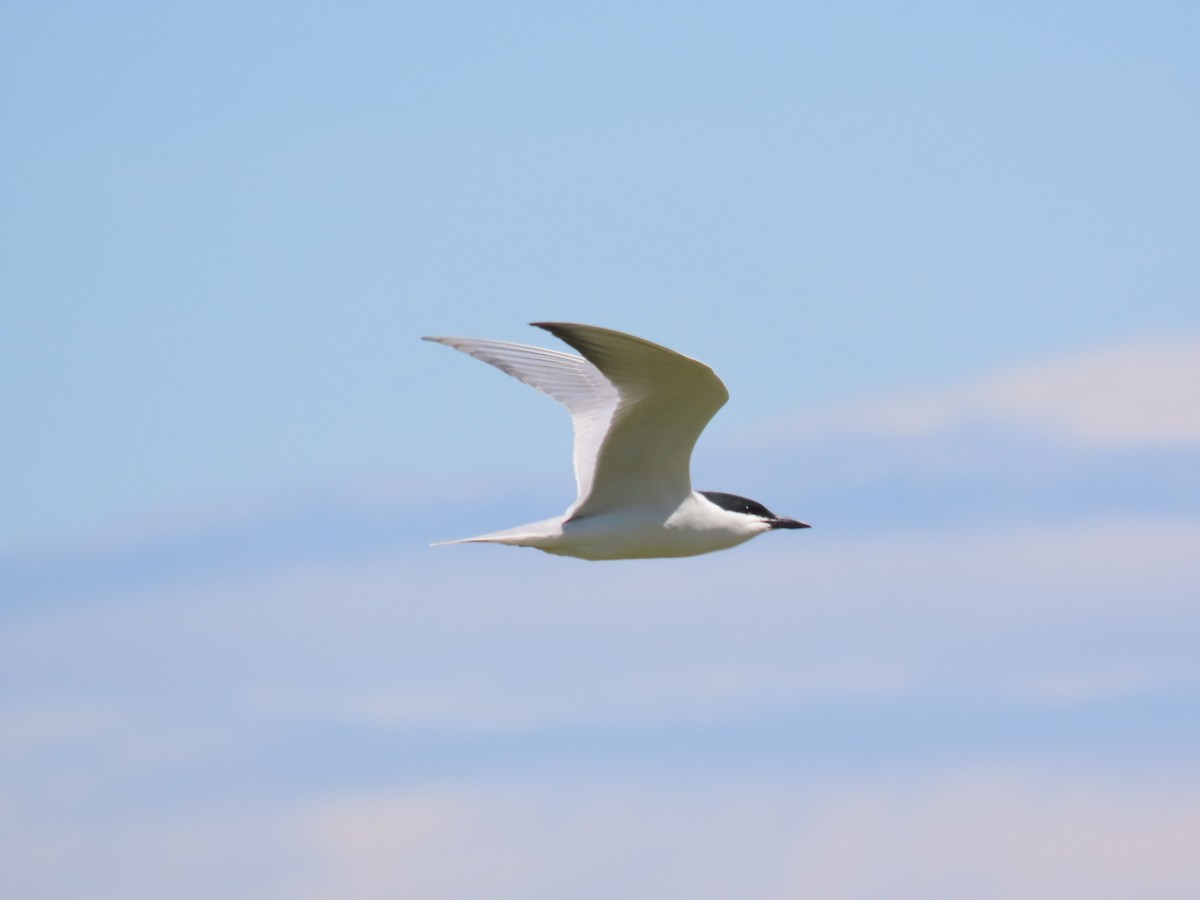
column 637, row 409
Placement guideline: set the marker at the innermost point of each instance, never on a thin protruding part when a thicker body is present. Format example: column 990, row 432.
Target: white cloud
column 1144, row 392
column 1089, row 685
column 992, row 833
column 1002, row 834
column 989, row 831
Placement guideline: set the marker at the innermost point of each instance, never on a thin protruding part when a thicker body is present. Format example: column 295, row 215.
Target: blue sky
column 942, row 255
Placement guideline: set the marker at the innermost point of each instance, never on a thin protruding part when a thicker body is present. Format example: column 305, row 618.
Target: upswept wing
column 665, row 401
column 637, row 409
column 572, row 381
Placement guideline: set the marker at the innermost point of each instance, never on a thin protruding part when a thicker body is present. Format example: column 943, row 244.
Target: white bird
column 637, row 410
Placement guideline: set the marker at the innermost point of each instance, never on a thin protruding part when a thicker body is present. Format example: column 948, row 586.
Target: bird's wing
column 572, row 381
column 663, row 402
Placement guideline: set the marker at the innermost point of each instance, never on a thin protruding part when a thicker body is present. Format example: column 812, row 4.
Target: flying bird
column 637, row 409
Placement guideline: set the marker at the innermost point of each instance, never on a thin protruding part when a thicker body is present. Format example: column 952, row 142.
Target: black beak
column 783, row 522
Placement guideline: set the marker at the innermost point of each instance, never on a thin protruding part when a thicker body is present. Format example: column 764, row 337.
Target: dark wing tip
column 582, row 336
column 554, row 327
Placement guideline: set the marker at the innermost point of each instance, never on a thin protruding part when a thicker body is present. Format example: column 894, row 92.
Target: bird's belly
column 637, row 537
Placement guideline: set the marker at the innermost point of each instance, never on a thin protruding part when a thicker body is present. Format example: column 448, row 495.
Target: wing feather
column 637, row 409
column 571, row 380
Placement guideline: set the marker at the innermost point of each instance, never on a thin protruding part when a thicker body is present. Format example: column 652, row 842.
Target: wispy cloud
column 1145, row 392
column 999, row 831
column 1114, row 682
column 1002, row 834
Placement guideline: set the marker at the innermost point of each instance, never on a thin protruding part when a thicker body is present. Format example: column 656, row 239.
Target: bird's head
column 752, row 509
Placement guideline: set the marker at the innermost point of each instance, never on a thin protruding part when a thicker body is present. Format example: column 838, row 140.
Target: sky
column 943, row 256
